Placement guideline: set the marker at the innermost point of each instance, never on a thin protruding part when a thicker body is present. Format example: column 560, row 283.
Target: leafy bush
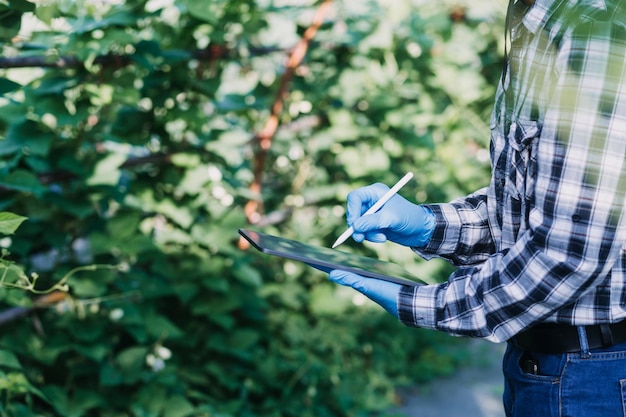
column 135, row 139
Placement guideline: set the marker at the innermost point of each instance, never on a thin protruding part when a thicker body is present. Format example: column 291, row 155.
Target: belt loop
column 584, row 343
column 607, row 335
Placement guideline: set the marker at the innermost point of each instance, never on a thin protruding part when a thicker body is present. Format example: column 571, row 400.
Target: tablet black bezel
column 328, row 259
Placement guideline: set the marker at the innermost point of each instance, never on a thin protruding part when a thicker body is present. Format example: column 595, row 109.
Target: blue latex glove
column 384, row 293
column 398, row 220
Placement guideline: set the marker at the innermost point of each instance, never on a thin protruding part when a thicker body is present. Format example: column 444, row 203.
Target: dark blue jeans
column 586, row 384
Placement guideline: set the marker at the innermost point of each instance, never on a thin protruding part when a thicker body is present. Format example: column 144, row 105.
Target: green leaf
column 248, row 275
column 76, row 206
column 107, row 170
column 84, row 400
column 118, row 17
column 148, row 54
column 130, row 121
column 229, row 146
column 150, row 400
column 9, row 222
column 110, row 376
column 365, row 160
column 195, row 179
column 28, row 137
column 58, row 398
column 11, row 113
column 9, row 360
column 10, row 23
column 75, row 406
column 206, row 11
column 22, row 5
column 161, row 327
column 243, row 339
column 187, row 160
column 46, row 13
column 132, row 359
column 55, row 85
column 182, row 215
column 96, row 351
column 178, row 406
column 86, row 288
column 87, row 331
column 16, row 382
column 24, row 181
column 124, row 225
column 6, row 86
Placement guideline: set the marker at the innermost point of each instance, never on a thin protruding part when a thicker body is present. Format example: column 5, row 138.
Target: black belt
column 561, row 338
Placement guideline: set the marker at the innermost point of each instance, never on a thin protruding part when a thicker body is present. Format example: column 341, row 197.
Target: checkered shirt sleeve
column 544, row 242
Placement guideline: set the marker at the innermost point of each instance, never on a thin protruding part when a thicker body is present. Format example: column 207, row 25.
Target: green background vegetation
column 130, row 139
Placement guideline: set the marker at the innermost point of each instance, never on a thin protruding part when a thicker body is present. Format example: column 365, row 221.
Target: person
column 541, row 250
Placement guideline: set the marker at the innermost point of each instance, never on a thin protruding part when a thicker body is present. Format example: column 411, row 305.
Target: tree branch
column 263, row 139
column 48, row 300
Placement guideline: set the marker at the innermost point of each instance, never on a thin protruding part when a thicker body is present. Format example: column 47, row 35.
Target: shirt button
column 575, row 218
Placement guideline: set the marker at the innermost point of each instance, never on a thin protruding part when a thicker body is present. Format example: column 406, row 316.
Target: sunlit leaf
column 206, row 11
column 107, row 171
column 9, row 222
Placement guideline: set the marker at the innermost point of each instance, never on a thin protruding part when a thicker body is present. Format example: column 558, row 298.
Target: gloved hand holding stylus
column 399, row 220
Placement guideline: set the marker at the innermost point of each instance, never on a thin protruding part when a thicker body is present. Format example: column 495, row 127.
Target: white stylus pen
column 376, row 206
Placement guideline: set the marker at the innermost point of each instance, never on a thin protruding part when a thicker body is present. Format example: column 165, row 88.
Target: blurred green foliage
column 126, row 139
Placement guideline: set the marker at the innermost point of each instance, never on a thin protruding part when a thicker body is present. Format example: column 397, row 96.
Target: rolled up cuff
column 445, row 236
column 416, row 306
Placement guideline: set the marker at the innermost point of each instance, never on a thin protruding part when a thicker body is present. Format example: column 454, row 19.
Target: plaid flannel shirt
column 545, row 241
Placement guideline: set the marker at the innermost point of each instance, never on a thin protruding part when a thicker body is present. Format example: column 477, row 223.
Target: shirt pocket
column 523, row 133
column 522, row 141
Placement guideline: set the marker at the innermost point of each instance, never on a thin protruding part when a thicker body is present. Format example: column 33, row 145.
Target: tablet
column 328, row 259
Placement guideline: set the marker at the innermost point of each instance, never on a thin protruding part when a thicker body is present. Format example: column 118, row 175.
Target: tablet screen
column 328, row 259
